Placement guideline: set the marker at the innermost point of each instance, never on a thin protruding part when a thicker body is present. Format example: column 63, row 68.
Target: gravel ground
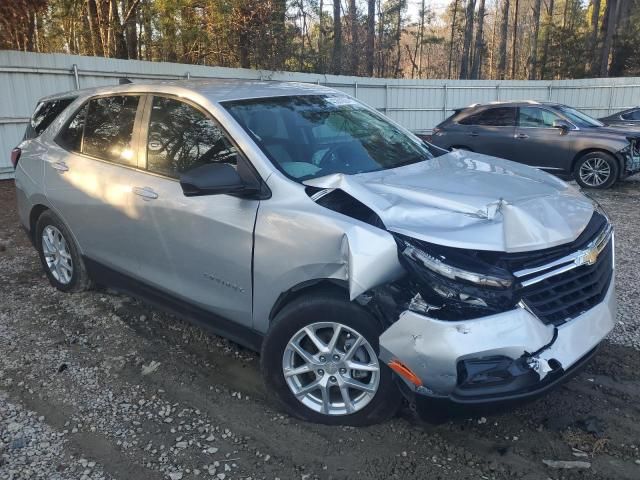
column 101, row 385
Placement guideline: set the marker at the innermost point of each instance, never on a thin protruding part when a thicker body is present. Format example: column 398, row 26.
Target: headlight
column 455, row 273
column 453, row 283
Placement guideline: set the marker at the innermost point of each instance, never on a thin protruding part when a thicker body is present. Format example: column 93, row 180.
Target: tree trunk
column 279, row 42
column 593, row 38
column 398, row 38
column 504, row 31
column 354, row 37
column 371, row 33
column 623, row 43
column 337, row 38
column 130, row 9
column 94, row 28
column 609, row 26
column 514, row 57
column 468, row 36
column 420, row 41
column 476, row 68
column 533, row 59
column 453, row 29
column 321, row 38
column 120, row 43
column 547, row 35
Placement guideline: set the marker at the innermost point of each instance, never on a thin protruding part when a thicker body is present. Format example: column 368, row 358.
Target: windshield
column 578, row 118
column 315, row 135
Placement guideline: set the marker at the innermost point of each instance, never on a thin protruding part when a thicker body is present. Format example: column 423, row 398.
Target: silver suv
column 361, row 262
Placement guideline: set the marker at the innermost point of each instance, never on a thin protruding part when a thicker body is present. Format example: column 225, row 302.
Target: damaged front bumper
column 506, row 356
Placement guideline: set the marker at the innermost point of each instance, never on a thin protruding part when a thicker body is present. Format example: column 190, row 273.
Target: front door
column 540, row 144
column 199, row 248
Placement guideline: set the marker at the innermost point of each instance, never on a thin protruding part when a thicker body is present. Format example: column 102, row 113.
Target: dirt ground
column 100, row 385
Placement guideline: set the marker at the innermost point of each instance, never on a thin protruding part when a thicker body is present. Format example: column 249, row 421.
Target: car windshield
column 310, row 136
column 578, row 118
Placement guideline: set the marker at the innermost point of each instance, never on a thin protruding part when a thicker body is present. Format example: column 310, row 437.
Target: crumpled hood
column 468, row 200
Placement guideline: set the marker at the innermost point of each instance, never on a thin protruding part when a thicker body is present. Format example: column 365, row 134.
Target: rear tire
column 60, row 255
column 371, row 396
column 596, row 170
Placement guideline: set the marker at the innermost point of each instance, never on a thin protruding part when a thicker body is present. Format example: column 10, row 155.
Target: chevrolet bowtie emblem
column 588, row 257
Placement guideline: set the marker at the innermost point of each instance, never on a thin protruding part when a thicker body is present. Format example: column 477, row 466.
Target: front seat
column 264, row 125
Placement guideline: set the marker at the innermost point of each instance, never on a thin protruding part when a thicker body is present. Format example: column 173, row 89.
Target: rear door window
column 103, row 128
column 492, row 117
column 181, row 137
column 108, row 132
column 44, row 114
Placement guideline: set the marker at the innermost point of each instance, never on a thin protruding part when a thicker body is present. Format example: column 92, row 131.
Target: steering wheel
column 329, row 160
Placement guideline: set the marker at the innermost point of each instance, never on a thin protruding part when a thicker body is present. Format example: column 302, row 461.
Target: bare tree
column 608, row 27
column 337, row 38
column 504, row 31
column 533, row 58
column 478, row 54
column 593, row 37
column 514, row 57
column 353, row 13
column 371, row 34
column 453, row 29
column 547, row 39
column 468, row 36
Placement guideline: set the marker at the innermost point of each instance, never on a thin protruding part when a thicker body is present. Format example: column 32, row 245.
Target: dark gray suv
column 553, row 137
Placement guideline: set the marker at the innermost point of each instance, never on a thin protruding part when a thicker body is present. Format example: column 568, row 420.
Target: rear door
column 491, row 131
column 88, row 179
column 540, row 144
column 199, row 248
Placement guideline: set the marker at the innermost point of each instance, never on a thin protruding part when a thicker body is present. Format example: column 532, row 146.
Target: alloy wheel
column 331, row 368
column 595, row 172
column 57, row 255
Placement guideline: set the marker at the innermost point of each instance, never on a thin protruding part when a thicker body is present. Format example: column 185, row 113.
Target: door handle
column 60, row 166
column 145, row 192
column 473, row 134
column 522, row 135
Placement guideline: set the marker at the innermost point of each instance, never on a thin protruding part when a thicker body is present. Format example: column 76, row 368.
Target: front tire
column 596, row 170
column 320, row 358
column 60, row 255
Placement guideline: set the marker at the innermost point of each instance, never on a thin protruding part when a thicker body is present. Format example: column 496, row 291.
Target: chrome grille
column 568, row 287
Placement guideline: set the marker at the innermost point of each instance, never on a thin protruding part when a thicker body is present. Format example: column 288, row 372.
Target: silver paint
column 432, row 348
column 468, row 200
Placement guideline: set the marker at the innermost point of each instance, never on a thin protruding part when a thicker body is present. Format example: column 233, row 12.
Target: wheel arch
column 34, row 214
column 308, row 287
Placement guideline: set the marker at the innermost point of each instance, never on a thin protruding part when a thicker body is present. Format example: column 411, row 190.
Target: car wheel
column 320, row 358
column 596, row 170
column 59, row 255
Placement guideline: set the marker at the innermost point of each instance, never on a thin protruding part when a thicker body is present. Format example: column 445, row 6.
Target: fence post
column 386, row 98
column 611, row 90
column 356, row 88
column 549, row 88
column 76, row 78
column 444, row 102
column 497, row 92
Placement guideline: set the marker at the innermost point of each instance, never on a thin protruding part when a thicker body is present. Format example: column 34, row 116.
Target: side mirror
column 562, row 125
column 213, row 179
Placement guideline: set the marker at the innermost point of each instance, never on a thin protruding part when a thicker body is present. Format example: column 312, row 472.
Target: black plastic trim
column 103, row 275
column 530, row 392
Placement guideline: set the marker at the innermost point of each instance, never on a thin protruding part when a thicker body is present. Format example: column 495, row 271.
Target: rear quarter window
column 44, row 114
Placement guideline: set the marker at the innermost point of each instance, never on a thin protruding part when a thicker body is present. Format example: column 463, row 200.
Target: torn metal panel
column 468, row 200
column 433, row 348
column 297, row 240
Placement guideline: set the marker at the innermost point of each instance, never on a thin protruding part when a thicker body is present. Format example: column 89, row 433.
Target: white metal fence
column 417, row 104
